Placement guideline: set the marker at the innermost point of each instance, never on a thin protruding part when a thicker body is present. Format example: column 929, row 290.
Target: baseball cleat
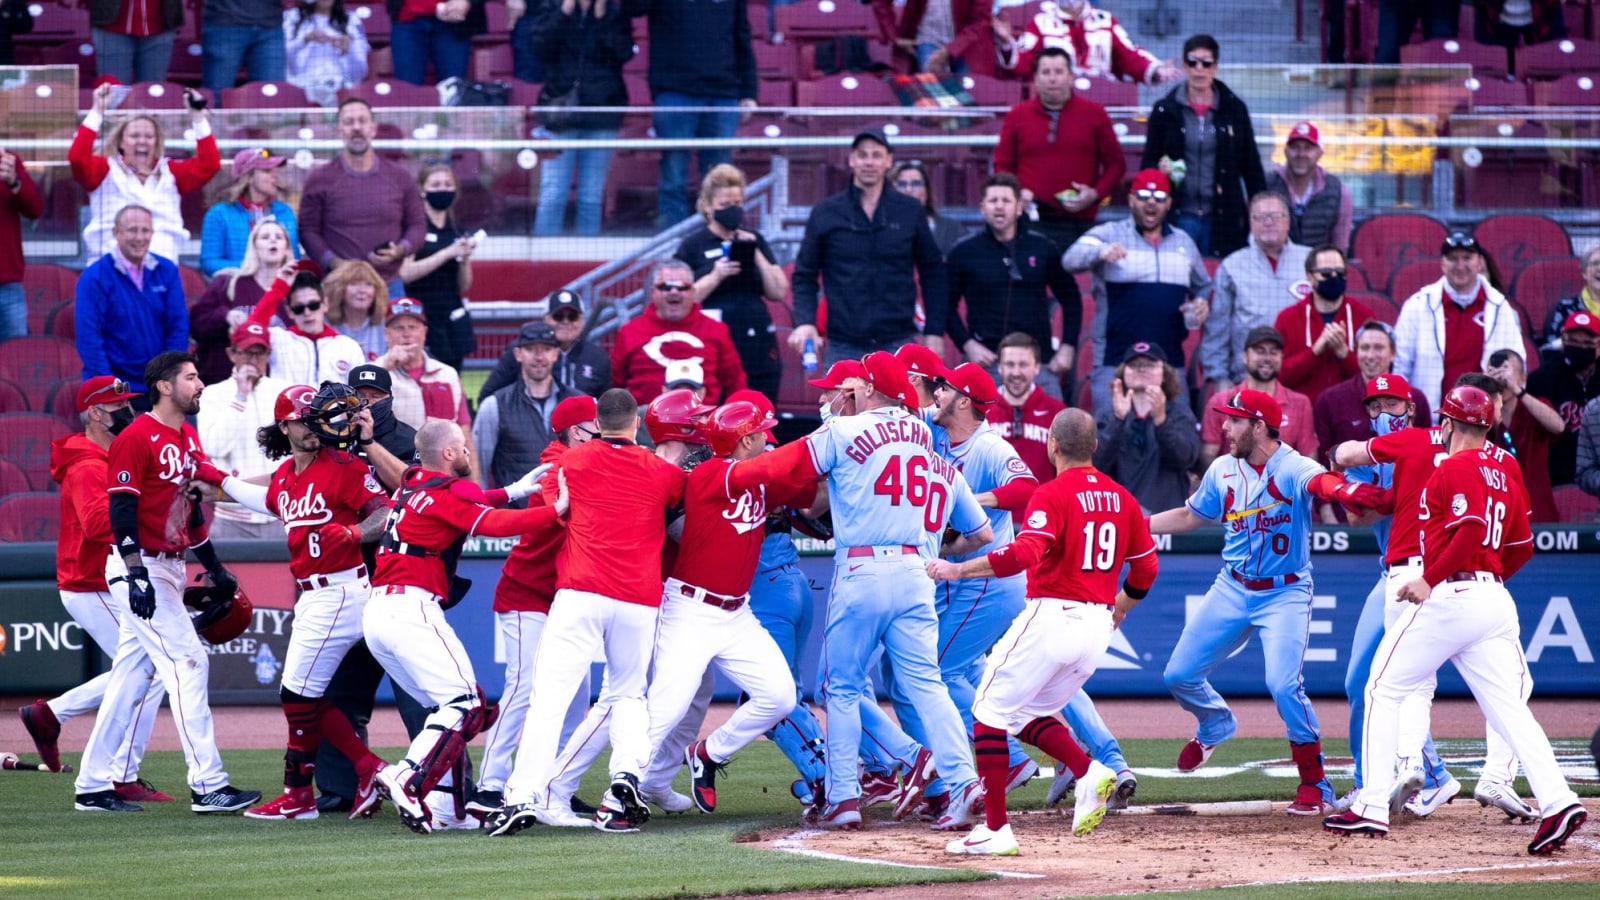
column 485, row 802
column 141, row 791
column 703, row 770
column 1020, row 774
column 509, row 819
column 293, row 803
column 842, row 816
column 1194, row 755
column 391, row 781
column 367, row 796
column 1431, row 798
column 1405, row 787
column 1493, row 793
column 1554, row 830
column 1348, row 823
column 1090, row 796
column 103, row 801
column 625, row 790
column 1344, row 803
column 804, row 791
column 577, row 805
column 1127, row 785
column 932, row 808
column 668, row 801
column 1060, row 786
column 876, row 787
column 40, row 720
column 613, row 816
column 965, row 807
column 983, row 842
column 560, row 815
column 916, row 781
column 1311, row 799
column 225, row 799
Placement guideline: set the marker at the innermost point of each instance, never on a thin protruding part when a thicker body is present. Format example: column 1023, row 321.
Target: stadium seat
column 1106, row 92
column 848, row 89
column 62, row 321
column 46, row 285
column 35, row 363
column 819, row 20
column 1517, row 240
column 776, row 61
column 194, row 284
column 184, row 68
column 492, row 63
column 12, row 479
column 1573, row 89
column 12, row 397
column 1413, row 277
column 375, row 22
column 265, row 95
column 639, row 62
column 155, row 95
column 54, row 23
column 1496, row 92
column 76, row 52
column 33, row 517
column 1576, row 506
column 987, row 90
column 25, row 440
column 62, row 402
column 1543, row 282
column 760, row 24
column 1497, row 176
column 1486, row 61
column 1555, row 59
column 524, row 93
column 1387, row 241
column 389, row 92
column 770, row 93
column 1385, row 309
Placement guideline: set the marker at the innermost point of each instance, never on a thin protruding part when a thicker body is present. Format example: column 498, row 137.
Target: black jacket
column 1005, row 290
column 865, row 268
column 476, row 23
column 104, row 12
column 699, row 47
column 14, row 19
column 1239, row 171
column 583, row 367
column 585, row 51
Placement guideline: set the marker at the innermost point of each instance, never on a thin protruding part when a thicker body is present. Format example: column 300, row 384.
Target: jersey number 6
column 908, row 479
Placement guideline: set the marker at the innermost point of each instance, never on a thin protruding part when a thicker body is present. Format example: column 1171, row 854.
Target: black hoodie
column 699, row 47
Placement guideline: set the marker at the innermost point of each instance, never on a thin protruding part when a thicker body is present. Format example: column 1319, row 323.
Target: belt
column 322, row 581
column 403, row 588
column 1408, row 561
column 718, row 600
column 891, row 550
column 1264, row 584
column 162, row 554
column 1473, row 576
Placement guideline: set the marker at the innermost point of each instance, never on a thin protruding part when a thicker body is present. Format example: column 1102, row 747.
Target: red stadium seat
column 1385, row 309
column 1485, row 60
column 1413, row 277
column 61, row 321
column 1541, row 284
column 12, row 479
column 390, row 92
column 1554, row 59
column 524, row 93
column 46, row 285
column 54, row 23
column 12, row 397
column 639, row 62
column 1576, row 506
column 818, row 20
column 1106, row 92
column 33, row 517
column 492, row 63
column 63, row 402
column 760, row 29
column 987, row 90
column 25, row 440
column 1514, row 241
column 1385, row 242
column 771, row 93
column 74, row 52
column 154, row 95
column 776, row 61
column 1497, row 92
column 1573, row 89
column 265, row 95
column 194, row 284
column 375, row 22
column 849, row 89
column 36, row 362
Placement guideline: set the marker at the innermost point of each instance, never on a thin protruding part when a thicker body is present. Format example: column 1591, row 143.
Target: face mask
column 380, row 410
column 1579, row 358
column 120, row 419
column 826, row 411
column 1331, row 288
column 440, row 200
column 1388, row 423
column 729, row 217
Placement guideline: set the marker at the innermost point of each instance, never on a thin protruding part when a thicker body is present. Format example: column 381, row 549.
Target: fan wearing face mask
column 1320, row 332
column 440, row 272
column 1568, row 382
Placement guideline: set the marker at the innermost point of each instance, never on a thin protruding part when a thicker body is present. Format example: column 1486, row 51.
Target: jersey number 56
column 907, row 480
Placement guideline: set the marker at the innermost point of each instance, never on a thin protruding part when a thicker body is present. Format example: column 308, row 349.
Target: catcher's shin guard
column 799, row 736
column 449, row 723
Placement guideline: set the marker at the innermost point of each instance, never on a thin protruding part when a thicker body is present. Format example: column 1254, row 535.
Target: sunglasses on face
column 1151, row 196
column 673, row 287
column 909, row 185
column 1195, row 62
column 313, row 306
column 568, row 316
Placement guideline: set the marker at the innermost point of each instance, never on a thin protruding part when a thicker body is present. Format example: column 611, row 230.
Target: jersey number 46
column 906, row 480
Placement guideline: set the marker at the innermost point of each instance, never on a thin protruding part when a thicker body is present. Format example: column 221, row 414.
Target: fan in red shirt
column 1078, row 531
column 436, row 508
column 1025, row 416
column 1320, row 332
column 674, row 327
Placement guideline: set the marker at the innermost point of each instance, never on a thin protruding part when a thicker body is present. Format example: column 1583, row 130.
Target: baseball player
column 1475, row 533
column 522, row 607
column 436, row 507
column 1079, row 529
column 1261, row 492
column 78, row 464
column 608, row 593
column 152, row 467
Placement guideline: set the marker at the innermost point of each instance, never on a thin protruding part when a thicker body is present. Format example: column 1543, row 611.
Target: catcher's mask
column 331, row 415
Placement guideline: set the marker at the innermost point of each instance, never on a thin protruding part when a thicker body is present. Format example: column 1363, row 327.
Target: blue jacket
column 226, row 235
column 121, row 328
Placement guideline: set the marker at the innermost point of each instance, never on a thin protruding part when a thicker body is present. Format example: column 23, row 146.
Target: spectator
column 1002, row 273
column 939, row 36
column 1263, row 357
column 1397, row 19
column 1340, row 411
column 252, row 198
column 700, row 55
column 1149, row 281
column 1204, row 125
column 19, row 197
column 1568, row 383
column 513, row 424
column 358, row 304
column 309, row 351
column 1148, row 441
column 441, row 33
column 584, row 366
column 326, row 49
column 1534, row 428
column 440, row 271
column 233, row 294
column 130, row 306
column 230, row 412
column 14, row 19
column 1320, row 331
column 1587, row 475
column 1025, row 416
column 861, row 246
column 582, row 49
column 247, row 33
column 373, row 384
column 1452, row 325
column 423, row 388
column 1065, row 171
column 1508, row 24
column 1254, row 284
column 721, row 283
column 132, row 39
column 1320, row 205
column 1586, row 300
column 134, row 171
column 1098, row 44
column 673, row 327
column 360, row 206
column 524, row 65
column 911, row 179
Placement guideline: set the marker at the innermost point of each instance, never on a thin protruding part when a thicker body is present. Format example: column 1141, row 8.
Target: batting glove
column 528, row 484
column 334, row 536
column 141, row 593
column 224, row 580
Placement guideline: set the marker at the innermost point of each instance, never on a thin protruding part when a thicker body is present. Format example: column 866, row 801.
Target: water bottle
column 727, row 249
column 808, row 356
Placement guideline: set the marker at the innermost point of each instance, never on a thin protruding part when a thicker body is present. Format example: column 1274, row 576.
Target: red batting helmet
column 220, row 618
column 294, row 403
column 751, row 396
column 1469, row 405
column 733, row 421
column 677, row 416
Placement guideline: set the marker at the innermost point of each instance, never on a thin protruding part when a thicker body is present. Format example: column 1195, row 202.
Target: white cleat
column 983, row 842
column 1405, row 787
column 669, row 801
column 1091, row 794
column 1060, row 786
column 965, row 807
column 1343, row 804
column 560, row 815
column 1491, row 793
column 1429, row 799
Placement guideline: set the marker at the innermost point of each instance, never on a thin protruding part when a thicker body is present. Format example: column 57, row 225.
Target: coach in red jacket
column 673, row 327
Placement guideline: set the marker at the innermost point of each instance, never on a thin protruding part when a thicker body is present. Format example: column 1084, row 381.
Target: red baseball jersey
column 1481, row 486
column 1026, row 427
column 1082, row 527
column 620, row 494
column 1415, row 452
column 156, row 463
column 336, row 488
column 725, row 517
column 528, row 579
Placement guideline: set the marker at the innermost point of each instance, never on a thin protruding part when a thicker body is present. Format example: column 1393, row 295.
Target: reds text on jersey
column 335, row 487
column 724, row 525
column 1481, row 486
column 1084, row 526
column 156, row 463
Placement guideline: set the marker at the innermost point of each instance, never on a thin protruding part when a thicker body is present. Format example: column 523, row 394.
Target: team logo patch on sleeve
column 1037, row 519
column 371, row 484
column 1458, row 505
column 124, row 477
column 1017, row 467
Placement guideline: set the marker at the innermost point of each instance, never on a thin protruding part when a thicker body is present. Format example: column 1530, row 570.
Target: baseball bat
column 12, row 762
column 1229, row 808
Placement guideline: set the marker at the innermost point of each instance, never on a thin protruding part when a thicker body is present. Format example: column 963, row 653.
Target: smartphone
column 383, row 247
column 195, row 99
column 743, row 253
column 1498, row 358
column 479, row 236
column 119, row 93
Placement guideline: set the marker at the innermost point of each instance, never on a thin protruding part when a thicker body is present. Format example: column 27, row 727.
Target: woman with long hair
column 233, row 293
column 358, row 303
column 911, row 178
column 441, row 270
column 326, row 49
column 250, row 199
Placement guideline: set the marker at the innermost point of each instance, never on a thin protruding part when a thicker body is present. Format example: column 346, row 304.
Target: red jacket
column 974, row 35
column 646, row 344
column 1301, row 325
column 81, row 467
column 14, row 205
column 1085, row 150
column 528, row 582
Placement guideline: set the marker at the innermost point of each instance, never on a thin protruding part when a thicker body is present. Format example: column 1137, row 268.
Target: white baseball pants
column 519, row 637
column 409, row 636
column 1041, row 662
column 96, row 613
column 327, row 623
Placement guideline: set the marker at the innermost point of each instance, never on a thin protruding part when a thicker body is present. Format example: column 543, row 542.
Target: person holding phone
column 735, row 273
column 440, row 271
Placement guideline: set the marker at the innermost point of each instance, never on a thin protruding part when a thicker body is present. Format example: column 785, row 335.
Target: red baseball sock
column 1048, row 734
column 337, row 730
column 304, row 736
column 1308, row 757
column 993, row 758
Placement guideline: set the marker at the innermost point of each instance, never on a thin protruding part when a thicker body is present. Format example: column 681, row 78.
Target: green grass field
column 167, row 851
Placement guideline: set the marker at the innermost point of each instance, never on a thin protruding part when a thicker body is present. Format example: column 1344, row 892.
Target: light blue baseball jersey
column 1266, row 515
column 886, row 485
column 1382, row 475
column 941, row 438
column 988, row 461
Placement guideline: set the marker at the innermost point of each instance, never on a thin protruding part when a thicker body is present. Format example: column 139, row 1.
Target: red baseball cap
column 403, row 308
column 1304, row 131
column 574, row 411
column 751, row 396
column 1248, row 404
column 1151, row 180
column 837, row 373
column 103, row 389
column 1582, row 321
column 974, row 382
column 888, row 376
column 1388, row 385
column 920, row 360
column 250, row 334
